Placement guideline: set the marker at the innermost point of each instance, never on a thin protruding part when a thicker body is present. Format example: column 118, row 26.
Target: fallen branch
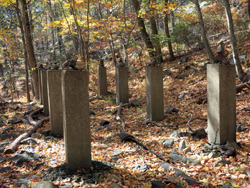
column 177, row 125
column 118, row 115
column 168, row 167
column 242, row 86
column 14, row 145
column 30, row 116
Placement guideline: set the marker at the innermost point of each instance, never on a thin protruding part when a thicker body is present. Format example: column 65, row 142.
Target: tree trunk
column 155, row 39
column 170, row 49
column 25, row 56
column 203, row 32
column 29, row 45
column 144, row 33
column 233, row 41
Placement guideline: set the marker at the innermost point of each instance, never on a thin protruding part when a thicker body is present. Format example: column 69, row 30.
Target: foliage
column 185, row 34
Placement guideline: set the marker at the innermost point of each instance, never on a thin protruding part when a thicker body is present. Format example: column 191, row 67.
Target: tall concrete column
column 102, row 81
column 55, row 101
column 76, row 121
column 122, row 85
column 221, row 112
column 154, row 92
column 40, row 85
column 45, row 93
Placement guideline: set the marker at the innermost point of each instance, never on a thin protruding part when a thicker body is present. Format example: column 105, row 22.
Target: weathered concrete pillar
column 45, row 93
column 154, row 92
column 221, row 93
column 122, row 85
column 40, row 85
column 76, row 121
column 55, row 101
column 102, row 81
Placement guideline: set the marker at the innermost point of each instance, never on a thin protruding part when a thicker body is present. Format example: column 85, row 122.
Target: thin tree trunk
column 29, row 45
column 233, row 41
column 25, row 56
column 155, row 39
column 144, row 33
column 170, row 49
column 203, row 32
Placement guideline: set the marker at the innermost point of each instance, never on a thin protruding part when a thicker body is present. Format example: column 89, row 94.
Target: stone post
column 76, row 121
column 122, row 85
column 45, row 93
column 102, row 81
column 221, row 94
column 154, row 92
column 55, row 101
column 40, row 86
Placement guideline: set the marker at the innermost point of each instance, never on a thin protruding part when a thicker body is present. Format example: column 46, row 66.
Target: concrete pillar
column 76, row 122
column 221, row 93
column 154, row 92
column 122, row 85
column 40, row 85
column 55, row 101
column 102, row 81
column 45, row 93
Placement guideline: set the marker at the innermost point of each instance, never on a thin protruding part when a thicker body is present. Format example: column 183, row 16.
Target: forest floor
column 131, row 165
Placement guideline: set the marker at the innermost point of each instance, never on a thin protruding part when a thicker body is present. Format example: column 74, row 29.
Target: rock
column 170, row 110
column 192, row 71
column 25, row 156
column 1, row 122
column 7, row 136
column 144, row 167
column 182, row 60
column 22, row 182
column 43, row 184
column 114, row 185
column 91, row 113
column 7, row 129
column 232, row 144
column 220, row 49
column 145, row 122
column 116, row 154
column 182, row 145
column 35, row 135
column 2, row 146
column 14, row 121
column 213, row 154
column 199, row 133
column 247, row 171
column 167, row 73
column 157, row 184
column 2, row 159
column 181, row 96
column 134, row 54
column 135, row 103
column 174, row 134
column 186, row 150
column 175, row 156
column 168, row 143
column 5, row 169
column 240, row 128
column 115, row 177
column 29, row 141
column 104, row 122
column 182, row 75
column 30, row 148
column 227, row 150
column 242, row 58
column 222, row 161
